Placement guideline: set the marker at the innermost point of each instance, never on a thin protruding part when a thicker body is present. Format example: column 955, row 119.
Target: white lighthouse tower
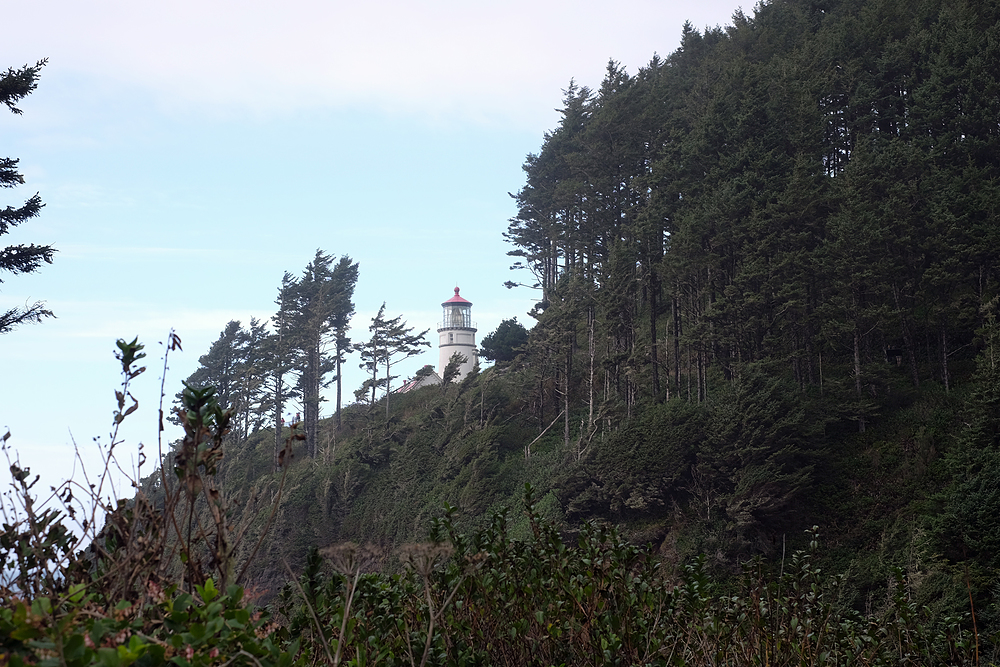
column 457, row 333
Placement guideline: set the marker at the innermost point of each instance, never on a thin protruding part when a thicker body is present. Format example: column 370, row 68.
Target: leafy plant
column 116, row 602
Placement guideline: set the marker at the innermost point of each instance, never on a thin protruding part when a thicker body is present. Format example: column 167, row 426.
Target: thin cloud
column 485, row 59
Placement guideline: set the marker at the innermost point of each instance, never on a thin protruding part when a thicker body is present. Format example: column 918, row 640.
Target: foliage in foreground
column 486, row 599
column 144, row 589
column 479, row 599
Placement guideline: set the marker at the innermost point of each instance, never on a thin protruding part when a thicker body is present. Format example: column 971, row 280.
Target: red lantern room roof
column 456, row 299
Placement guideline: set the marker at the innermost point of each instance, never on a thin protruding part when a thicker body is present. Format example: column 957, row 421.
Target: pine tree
column 16, row 84
column 250, row 392
column 346, row 275
column 504, row 344
column 391, row 342
column 280, row 358
column 809, row 188
column 321, row 308
column 236, row 366
column 544, row 232
column 452, row 369
column 220, row 365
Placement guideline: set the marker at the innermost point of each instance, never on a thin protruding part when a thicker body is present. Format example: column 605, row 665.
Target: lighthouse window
column 451, row 338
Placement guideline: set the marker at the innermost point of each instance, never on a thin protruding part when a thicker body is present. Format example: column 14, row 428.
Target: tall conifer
column 15, row 85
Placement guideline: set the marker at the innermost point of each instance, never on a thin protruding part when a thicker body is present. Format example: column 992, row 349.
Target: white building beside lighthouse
column 457, row 333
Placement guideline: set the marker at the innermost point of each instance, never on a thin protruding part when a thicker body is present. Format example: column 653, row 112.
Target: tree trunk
column 592, row 351
column 278, row 407
column 566, row 378
column 654, row 357
column 310, row 399
column 945, row 376
column 387, row 381
column 688, row 351
column 857, row 376
column 702, row 389
column 677, row 345
column 340, row 382
column 911, row 354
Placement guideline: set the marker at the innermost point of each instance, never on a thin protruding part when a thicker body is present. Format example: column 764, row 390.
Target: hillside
column 767, row 272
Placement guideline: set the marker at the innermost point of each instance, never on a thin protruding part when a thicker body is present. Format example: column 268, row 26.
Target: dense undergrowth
column 157, row 579
column 738, row 477
column 479, row 599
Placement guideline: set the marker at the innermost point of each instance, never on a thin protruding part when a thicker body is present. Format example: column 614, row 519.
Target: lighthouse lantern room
column 457, row 333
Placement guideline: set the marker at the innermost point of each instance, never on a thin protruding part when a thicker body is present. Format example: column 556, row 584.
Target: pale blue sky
column 189, row 153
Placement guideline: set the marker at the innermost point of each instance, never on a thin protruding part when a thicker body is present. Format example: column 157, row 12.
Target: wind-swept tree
column 280, row 355
column 250, row 392
column 346, row 273
column 219, row 366
column 452, row 369
column 391, row 342
column 16, row 84
column 235, row 365
column 315, row 311
column 546, row 231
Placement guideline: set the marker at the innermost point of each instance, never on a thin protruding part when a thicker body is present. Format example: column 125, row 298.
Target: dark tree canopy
column 505, row 343
column 15, row 84
column 773, row 192
column 789, row 222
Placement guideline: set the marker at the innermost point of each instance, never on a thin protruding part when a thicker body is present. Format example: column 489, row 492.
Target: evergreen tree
column 16, row 84
column 236, row 366
column 251, row 401
column 391, row 342
column 758, row 454
column 220, row 365
column 452, row 368
column 346, row 275
column 281, row 358
column 320, row 307
column 505, row 343
column 544, row 232
column 815, row 186
column 968, row 525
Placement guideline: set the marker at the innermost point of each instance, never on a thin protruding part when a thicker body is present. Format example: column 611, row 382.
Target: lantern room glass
column 457, row 316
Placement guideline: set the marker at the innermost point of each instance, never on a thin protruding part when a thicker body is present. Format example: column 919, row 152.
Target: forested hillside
column 756, row 419
column 813, row 188
column 767, row 276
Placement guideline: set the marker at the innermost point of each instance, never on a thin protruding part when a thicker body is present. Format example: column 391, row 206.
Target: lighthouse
column 457, row 333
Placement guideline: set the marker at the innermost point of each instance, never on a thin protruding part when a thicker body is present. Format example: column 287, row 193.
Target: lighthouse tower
column 457, row 333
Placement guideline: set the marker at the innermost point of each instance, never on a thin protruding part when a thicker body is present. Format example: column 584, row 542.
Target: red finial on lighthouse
column 457, row 299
